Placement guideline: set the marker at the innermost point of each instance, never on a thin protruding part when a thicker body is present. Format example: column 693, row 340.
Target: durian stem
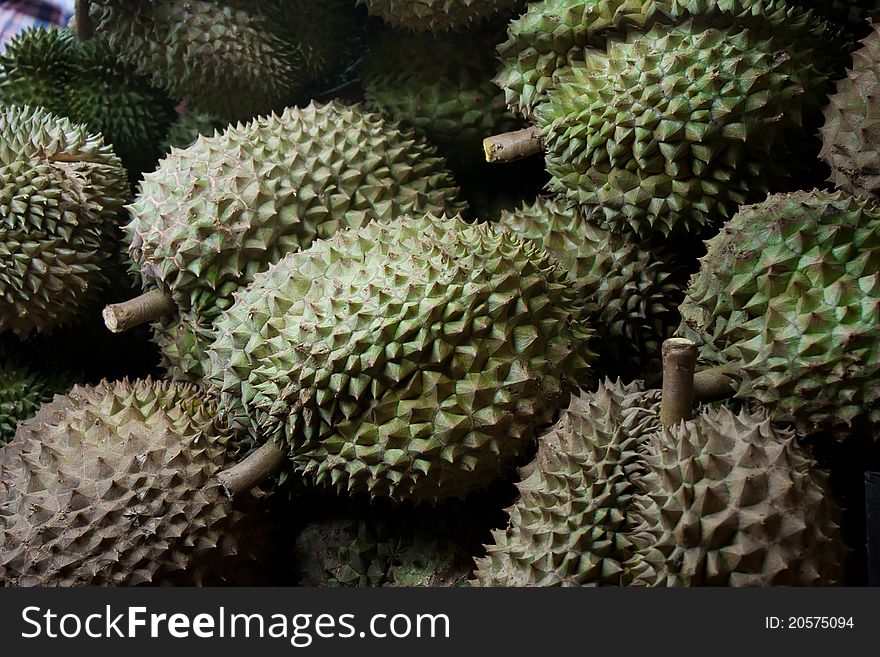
column 714, row 384
column 259, row 465
column 148, row 307
column 510, row 146
column 679, row 361
column 85, row 30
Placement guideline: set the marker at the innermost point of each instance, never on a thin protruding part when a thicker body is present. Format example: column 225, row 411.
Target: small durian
column 789, row 293
column 632, row 293
column 62, row 190
column 437, row 15
column 214, row 215
column 116, row 485
column 34, row 67
column 851, row 134
column 412, row 359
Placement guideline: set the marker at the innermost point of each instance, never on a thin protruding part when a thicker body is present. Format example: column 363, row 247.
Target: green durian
column 437, row 15
column 214, row 215
column 87, row 83
column 24, row 388
column 789, row 294
column 570, row 525
column 851, row 134
column 441, row 86
column 555, row 34
column 614, row 499
column 115, row 485
column 412, row 359
column 633, row 294
column 674, row 129
column 233, row 59
column 61, row 192
column 35, row 66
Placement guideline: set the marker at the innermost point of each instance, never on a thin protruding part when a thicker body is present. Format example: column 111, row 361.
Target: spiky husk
column 437, row 15
column 570, row 525
column 61, row 191
column 412, row 359
column 789, row 293
column 633, row 296
column 731, row 500
column 87, row 83
column 615, row 499
column 235, row 58
column 34, row 67
column 441, row 86
column 114, row 485
column 673, row 129
column 851, row 134
column 185, row 130
column 24, row 388
column 214, row 215
column 377, row 551
column 555, row 34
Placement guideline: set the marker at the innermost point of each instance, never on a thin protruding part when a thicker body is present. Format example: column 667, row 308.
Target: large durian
column 412, row 359
column 217, row 213
column 614, row 499
column 632, row 293
column 115, row 485
column 851, row 134
column 556, row 34
column 61, row 192
column 675, row 128
column 441, row 86
column 437, row 15
column 789, row 293
column 87, row 83
column 233, row 58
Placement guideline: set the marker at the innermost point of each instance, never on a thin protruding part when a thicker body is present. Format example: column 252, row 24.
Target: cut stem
column 148, row 307
column 85, row 30
column 679, row 361
column 510, row 146
column 260, row 464
column 715, row 384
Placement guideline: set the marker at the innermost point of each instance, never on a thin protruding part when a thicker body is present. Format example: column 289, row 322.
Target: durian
column 24, row 388
column 115, row 485
column 437, row 15
column 233, row 58
column 673, row 129
column 789, row 294
column 554, row 35
column 87, row 83
column 214, row 215
column 412, row 359
column 61, row 192
column 441, row 86
column 632, row 293
column 851, row 134
column 614, row 499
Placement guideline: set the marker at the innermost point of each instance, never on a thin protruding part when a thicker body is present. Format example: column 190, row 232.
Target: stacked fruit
column 351, row 311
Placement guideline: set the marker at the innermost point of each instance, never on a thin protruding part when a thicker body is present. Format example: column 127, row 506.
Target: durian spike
column 679, row 361
column 510, row 146
column 715, row 384
column 259, row 465
column 85, row 30
column 148, row 307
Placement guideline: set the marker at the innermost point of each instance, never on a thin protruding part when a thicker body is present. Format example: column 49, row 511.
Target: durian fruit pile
column 356, row 336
